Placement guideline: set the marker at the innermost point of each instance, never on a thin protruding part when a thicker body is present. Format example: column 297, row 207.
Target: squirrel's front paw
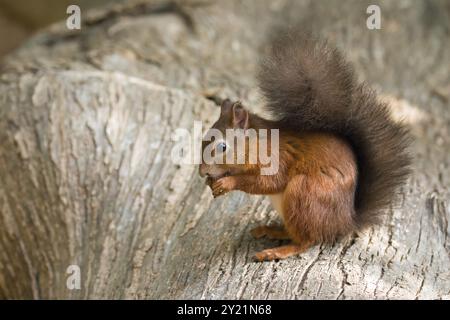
column 222, row 186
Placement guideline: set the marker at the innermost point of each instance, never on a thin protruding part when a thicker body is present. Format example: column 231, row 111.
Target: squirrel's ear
column 226, row 106
column 240, row 116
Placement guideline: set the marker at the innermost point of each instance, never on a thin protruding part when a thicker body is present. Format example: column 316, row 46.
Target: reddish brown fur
column 319, row 197
column 342, row 159
column 317, row 177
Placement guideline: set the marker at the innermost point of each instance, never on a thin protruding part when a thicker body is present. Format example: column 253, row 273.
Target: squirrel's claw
column 217, row 189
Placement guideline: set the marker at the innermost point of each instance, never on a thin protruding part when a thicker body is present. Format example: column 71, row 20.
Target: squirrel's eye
column 221, row 147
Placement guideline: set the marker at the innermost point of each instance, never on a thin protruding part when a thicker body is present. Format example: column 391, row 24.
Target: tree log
column 86, row 177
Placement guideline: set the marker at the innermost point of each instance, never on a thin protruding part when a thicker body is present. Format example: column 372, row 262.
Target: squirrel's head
column 221, row 152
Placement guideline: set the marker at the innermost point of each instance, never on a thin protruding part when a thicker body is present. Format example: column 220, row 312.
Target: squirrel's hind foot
column 282, row 252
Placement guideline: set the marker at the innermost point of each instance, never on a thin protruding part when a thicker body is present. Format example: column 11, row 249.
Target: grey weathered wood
column 85, row 173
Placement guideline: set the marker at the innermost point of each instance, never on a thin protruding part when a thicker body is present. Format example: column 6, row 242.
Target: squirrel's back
column 310, row 86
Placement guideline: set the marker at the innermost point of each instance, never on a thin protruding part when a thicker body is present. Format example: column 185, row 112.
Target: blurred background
column 21, row 18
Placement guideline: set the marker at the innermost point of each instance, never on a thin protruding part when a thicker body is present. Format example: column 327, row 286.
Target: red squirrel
column 341, row 157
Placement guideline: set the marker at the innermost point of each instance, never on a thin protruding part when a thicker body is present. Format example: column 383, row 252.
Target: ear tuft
column 240, row 116
column 226, row 106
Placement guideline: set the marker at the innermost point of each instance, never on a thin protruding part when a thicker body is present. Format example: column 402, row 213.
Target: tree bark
column 86, row 177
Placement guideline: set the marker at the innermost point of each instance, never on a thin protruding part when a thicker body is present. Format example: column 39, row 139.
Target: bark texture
column 86, row 120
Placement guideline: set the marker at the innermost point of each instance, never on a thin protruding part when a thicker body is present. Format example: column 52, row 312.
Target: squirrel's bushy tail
column 310, row 86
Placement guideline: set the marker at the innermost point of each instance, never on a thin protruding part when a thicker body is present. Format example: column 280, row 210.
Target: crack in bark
column 306, row 271
column 342, row 267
